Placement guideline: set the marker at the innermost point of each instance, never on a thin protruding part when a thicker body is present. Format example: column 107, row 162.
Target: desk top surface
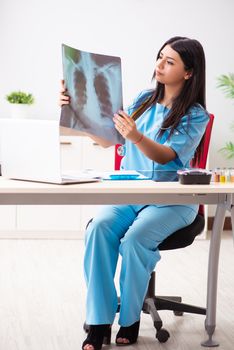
column 124, row 187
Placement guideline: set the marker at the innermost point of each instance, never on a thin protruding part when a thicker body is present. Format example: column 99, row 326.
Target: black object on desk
column 194, row 176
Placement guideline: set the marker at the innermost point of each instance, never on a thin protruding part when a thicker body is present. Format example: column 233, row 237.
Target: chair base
column 152, row 304
column 172, row 303
column 155, row 303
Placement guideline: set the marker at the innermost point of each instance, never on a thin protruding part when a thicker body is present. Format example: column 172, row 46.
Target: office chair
column 179, row 239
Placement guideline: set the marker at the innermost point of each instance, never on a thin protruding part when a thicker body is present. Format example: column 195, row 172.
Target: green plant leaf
column 228, row 150
column 20, row 97
column 226, row 83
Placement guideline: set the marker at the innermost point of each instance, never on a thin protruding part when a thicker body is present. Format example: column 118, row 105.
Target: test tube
column 223, row 175
column 228, row 175
column 232, row 175
column 217, row 175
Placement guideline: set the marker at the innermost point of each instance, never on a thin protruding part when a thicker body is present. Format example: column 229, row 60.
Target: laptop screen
column 30, row 149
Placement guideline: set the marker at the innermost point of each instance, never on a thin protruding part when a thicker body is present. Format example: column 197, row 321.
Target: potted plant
column 20, row 103
column 226, row 83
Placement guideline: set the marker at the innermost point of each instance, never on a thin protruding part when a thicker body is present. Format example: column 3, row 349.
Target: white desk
column 125, row 192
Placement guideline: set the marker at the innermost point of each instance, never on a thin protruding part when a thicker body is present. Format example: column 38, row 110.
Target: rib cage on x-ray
column 94, row 84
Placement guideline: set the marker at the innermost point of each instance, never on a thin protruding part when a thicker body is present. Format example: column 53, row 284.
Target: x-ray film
column 94, row 84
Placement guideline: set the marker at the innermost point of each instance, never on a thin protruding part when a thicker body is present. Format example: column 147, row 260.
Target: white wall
column 31, row 33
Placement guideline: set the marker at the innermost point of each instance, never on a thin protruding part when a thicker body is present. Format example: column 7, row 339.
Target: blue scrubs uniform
column 135, row 231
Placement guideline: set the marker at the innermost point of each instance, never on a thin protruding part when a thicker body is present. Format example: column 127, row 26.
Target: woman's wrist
column 140, row 138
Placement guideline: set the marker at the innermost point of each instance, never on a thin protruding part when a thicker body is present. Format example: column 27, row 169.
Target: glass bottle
column 217, row 173
column 232, row 175
column 223, row 175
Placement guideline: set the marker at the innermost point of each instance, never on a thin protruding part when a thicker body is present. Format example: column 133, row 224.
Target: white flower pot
column 20, row 110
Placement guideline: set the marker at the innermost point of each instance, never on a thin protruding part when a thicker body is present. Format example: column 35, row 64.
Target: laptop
column 30, row 150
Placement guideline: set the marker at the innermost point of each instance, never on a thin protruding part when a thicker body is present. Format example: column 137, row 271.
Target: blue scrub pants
column 123, row 229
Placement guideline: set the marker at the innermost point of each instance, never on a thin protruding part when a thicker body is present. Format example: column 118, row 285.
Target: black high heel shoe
column 130, row 333
column 98, row 335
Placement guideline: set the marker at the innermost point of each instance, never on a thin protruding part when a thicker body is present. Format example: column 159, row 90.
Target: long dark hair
column 192, row 92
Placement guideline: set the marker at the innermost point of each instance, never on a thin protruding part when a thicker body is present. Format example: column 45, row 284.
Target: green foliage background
column 226, row 83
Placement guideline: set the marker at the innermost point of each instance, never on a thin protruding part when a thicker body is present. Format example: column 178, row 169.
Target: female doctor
column 170, row 121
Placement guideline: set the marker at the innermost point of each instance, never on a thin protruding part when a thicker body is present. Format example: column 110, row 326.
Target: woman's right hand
column 63, row 99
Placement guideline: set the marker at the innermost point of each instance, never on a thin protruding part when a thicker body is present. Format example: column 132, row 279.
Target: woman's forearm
column 126, row 126
column 155, row 151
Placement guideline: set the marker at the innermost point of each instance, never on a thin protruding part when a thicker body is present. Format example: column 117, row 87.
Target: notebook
column 30, row 150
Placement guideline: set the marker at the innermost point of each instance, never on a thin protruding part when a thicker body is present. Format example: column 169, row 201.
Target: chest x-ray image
column 94, row 84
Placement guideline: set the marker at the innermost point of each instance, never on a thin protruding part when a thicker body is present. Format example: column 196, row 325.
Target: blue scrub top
column 184, row 140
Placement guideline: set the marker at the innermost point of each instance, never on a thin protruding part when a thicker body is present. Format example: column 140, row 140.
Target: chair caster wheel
column 85, row 327
column 178, row 313
column 162, row 335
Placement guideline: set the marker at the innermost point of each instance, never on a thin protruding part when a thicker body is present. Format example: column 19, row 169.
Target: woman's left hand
column 126, row 126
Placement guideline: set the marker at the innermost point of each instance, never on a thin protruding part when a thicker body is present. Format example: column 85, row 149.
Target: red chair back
column 203, row 160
